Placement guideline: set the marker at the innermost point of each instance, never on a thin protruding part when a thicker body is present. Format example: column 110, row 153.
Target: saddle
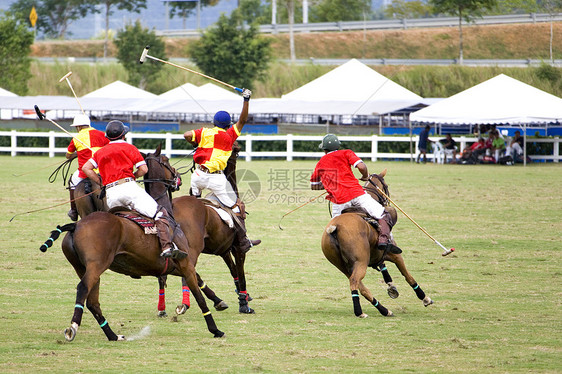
column 226, row 214
column 145, row 223
column 364, row 215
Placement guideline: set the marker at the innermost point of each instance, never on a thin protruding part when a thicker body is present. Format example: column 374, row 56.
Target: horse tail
column 55, row 235
column 333, row 234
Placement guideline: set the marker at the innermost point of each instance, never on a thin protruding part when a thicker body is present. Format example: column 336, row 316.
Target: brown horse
column 349, row 242
column 160, row 181
column 102, row 241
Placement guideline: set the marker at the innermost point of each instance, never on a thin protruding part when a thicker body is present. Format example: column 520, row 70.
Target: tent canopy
column 352, row 81
column 4, row 92
column 120, row 90
column 500, row 100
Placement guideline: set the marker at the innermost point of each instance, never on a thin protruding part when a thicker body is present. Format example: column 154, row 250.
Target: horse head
column 161, row 179
column 374, row 185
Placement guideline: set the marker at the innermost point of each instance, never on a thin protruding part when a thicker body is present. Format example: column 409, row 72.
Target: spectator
column 498, row 145
column 422, row 144
column 450, row 146
column 470, row 154
column 515, row 147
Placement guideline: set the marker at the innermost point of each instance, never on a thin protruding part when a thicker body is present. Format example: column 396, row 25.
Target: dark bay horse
column 102, row 241
column 349, row 242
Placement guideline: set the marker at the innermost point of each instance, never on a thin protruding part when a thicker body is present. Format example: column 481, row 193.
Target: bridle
column 371, row 187
column 173, row 184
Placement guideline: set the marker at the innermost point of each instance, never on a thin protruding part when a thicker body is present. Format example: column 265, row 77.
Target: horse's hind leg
column 391, row 290
column 218, row 303
column 401, row 265
column 356, row 285
column 93, row 305
column 229, row 261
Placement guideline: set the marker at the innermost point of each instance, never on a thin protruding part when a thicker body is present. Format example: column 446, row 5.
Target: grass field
column 497, row 298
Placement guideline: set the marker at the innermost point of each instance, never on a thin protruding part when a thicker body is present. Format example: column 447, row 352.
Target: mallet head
column 39, row 114
column 448, row 251
column 66, row 76
column 144, row 53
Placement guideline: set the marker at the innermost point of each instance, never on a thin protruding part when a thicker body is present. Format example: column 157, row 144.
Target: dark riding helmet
column 115, row 130
column 330, row 142
column 222, row 119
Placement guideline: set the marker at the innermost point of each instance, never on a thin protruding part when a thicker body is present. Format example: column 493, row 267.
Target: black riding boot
column 243, row 243
column 73, row 212
column 169, row 249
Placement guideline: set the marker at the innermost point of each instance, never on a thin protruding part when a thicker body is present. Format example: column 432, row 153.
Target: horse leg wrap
column 386, row 275
column 161, row 300
column 419, row 292
column 382, row 310
column 111, row 336
column 212, row 326
column 185, row 295
column 356, row 303
column 78, row 312
column 237, row 285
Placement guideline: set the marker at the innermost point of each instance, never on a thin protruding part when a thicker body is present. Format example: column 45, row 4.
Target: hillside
column 518, row 41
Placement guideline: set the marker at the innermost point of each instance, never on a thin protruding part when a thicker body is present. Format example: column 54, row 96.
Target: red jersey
column 334, row 171
column 214, row 146
column 92, row 138
column 117, row 160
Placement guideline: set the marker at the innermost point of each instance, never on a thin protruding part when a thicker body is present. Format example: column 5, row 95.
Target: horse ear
column 143, row 155
column 158, row 150
column 383, row 173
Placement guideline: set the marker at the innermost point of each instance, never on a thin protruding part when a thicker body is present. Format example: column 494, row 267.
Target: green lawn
column 497, row 297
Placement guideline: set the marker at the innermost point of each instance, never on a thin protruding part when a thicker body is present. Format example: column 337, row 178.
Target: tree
column 14, row 55
column 232, row 53
column 552, row 7
column 340, row 10
column 184, row 9
column 253, row 11
column 128, row 5
column 53, row 16
column 464, row 9
column 402, row 9
column 130, row 43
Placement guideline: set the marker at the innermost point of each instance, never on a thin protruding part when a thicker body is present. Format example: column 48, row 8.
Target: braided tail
column 55, row 235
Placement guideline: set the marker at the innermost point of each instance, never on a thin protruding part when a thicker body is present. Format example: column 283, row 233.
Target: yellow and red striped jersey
column 91, row 137
column 214, row 146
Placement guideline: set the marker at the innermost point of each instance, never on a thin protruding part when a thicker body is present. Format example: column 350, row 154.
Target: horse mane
column 230, row 170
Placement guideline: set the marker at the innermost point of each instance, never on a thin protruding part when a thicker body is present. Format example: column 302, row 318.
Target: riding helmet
column 115, row 130
column 81, row 120
column 330, row 142
column 222, row 119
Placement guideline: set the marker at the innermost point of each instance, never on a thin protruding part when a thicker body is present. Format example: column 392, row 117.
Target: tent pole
column 411, row 152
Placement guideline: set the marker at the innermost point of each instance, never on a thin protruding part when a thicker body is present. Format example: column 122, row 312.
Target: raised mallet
column 42, row 117
column 72, row 89
column 145, row 55
column 445, row 250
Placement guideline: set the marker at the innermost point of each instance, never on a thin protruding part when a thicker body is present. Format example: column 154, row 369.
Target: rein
column 64, row 168
column 383, row 198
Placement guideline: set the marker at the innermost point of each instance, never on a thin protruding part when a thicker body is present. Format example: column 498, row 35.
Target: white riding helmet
column 81, row 120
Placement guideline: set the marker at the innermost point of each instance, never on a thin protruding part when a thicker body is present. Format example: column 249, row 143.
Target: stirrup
column 389, row 247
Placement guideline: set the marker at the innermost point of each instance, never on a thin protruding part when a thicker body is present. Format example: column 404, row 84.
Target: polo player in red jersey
column 87, row 137
column 333, row 173
column 214, row 147
column 116, row 162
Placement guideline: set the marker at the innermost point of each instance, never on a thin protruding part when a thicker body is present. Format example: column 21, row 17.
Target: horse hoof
column 392, row 291
column 121, row 338
column 181, row 309
column 221, row 306
column 363, row 315
column 246, row 310
column 390, row 314
column 162, row 314
column 70, row 334
column 427, row 301
column 218, row 334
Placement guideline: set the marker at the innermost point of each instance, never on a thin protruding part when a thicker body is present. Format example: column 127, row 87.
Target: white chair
column 438, row 154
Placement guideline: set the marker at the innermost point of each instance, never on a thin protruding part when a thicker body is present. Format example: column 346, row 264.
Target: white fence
column 289, row 154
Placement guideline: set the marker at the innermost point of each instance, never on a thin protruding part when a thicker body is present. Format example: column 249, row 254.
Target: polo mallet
column 145, row 55
column 445, row 250
column 42, row 117
column 72, row 89
column 300, row 206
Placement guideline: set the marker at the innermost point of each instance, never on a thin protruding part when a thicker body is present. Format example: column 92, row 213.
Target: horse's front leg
column 356, row 284
column 398, row 260
column 391, row 290
column 229, row 261
column 162, row 296
column 243, row 298
column 218, row 303
column 188, row 271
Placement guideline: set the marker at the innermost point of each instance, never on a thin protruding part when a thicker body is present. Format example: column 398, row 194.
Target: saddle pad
column 145, row 223
column 224, row 216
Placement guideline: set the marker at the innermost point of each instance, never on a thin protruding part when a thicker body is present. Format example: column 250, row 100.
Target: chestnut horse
column 349, row 242
column 102, row 241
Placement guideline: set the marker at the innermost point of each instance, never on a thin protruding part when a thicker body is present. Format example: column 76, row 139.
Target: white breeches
column 364, row 201
column 132, row 196
column 75, row 179
column 216, row 183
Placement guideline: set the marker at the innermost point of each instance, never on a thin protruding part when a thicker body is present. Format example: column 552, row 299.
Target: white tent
column 352, row 81
column 185, row 91
column 210, row 91
column 4, row 92
column 500, row 100
column 120, row 90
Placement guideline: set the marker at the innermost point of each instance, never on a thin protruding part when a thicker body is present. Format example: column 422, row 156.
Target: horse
column 102, row 241
column 349, row 242
column 164, row 180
